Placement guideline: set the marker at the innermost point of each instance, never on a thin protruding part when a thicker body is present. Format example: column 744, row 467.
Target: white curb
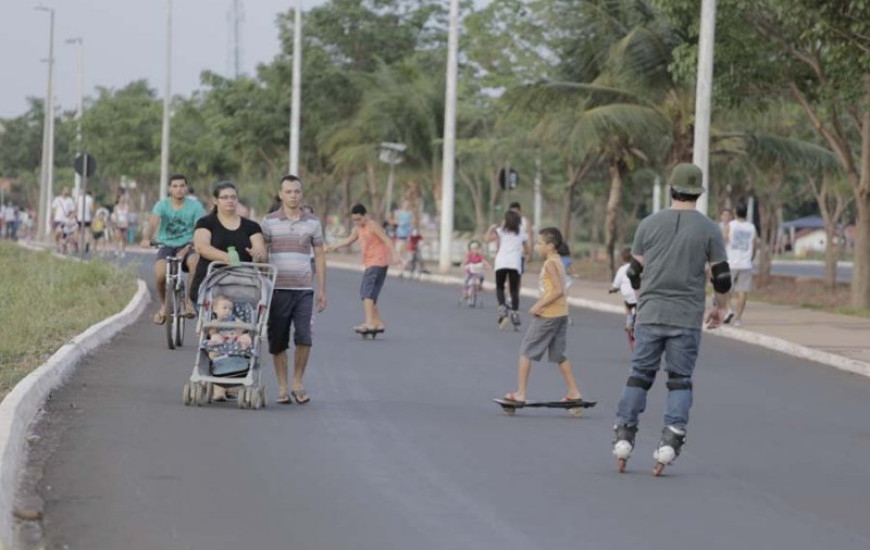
column 771, row 342
column 21, row 405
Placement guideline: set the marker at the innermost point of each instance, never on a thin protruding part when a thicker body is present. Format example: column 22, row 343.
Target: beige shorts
column 741, row 280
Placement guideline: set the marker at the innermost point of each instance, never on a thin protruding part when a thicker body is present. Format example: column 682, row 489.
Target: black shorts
column 290, row 308
column 166, row 251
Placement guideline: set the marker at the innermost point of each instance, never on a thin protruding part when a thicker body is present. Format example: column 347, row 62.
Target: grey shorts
column 290, row 308
column 372, row 283
column 546, row 335
column 742, row 280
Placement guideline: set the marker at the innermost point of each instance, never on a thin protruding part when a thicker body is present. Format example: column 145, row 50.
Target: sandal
column 284, row 399
column 568, row 398
column 301, row 396
column 159, row 318
column 511, row 397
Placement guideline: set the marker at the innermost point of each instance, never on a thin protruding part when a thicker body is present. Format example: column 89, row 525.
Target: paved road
column 813, row 270
column 401, row 448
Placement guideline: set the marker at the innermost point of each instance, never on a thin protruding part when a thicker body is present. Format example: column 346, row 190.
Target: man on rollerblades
column 670, row 254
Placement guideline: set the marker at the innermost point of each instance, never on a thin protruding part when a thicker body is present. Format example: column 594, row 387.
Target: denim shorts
column 372, row 283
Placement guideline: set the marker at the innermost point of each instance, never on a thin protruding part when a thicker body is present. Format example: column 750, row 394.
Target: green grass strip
column 46, row 301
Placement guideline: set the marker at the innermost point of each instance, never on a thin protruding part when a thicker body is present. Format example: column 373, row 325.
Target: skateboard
column 574, row 407
column 369, row 332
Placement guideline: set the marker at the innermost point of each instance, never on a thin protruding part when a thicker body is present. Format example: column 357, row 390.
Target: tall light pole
column 81, row 108
column 390, row 153
column 46, row 172
column 296, row 91
column 704, row 97
column 448, row 164
column 167, row 102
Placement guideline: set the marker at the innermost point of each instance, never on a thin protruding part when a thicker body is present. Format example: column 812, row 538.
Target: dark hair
column 563, row 249
column 217, row 191
column 553, row 236
column 473, row 242
column 625, row 254
column 683, row 197
column 741, row 209
column 174, row 177
column 289, row 177
column 358, row 209
column 512, row 222
column 515, row 205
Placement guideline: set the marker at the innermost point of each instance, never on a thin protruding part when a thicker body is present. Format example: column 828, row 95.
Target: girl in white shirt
column 512, row 247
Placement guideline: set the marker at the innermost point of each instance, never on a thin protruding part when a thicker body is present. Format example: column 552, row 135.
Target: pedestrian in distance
column 741, row 243
column 121, row 224
column 671, row 251
column 508, row 264
column 547, row 332
column 61, row 208
column 291, row 236
column 378, row 252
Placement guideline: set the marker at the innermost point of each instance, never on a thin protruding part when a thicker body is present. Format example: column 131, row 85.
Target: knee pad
column 679, row 381
column 644, row 382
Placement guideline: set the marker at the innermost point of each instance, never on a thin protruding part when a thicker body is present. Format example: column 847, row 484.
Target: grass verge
column 47, row 301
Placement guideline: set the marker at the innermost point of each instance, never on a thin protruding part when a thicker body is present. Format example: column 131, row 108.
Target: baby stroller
column 248, row 286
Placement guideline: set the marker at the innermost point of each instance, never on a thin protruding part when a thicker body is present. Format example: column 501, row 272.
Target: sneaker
column 738, row 323
column 515, row 318
column 728, row 317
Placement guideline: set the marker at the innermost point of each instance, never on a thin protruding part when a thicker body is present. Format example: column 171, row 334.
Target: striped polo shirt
column 290, row 245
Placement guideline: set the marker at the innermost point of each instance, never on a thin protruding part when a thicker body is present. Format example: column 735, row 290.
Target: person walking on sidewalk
column 548, row 331
column 741, row 240
column 671, row 251
column 378, row 252
column 292, row 235
column 512, row 248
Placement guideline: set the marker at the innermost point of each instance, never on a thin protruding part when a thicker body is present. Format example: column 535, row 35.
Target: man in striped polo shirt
column 291, row 234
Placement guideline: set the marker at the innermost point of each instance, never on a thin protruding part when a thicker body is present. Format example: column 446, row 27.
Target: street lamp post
column 448, row 165
column 296, row 89
column 391, row 153
column 81, row 110
column 704, row 98
column 167, row 101
column 46, row 172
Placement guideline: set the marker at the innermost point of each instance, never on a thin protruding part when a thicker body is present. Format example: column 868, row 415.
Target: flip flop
column 159, row 318
column 301, row 396
column 568, row 399
column 284, row 399
column 512, row 398
column 189, row 313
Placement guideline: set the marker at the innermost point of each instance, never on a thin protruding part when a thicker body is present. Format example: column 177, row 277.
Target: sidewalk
column 840, row 341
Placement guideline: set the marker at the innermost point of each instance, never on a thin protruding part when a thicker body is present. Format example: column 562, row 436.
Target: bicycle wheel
column 179, row 314
column 170, row 315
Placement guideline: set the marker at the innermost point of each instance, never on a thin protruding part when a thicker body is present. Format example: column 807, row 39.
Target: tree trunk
column 345, row 186
column 372, row 186
column 831, row 253
column 611, row 217
column 860, row 296
column 765, row 253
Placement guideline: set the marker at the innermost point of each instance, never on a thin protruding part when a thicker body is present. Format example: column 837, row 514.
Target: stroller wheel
column 185, row 396
column 209, row 391
column 242, row 399
column 263, row 397
column 197, row 395
column 256, row 399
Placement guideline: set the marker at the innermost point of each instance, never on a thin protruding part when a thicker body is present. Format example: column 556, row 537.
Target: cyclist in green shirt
column 173, row 219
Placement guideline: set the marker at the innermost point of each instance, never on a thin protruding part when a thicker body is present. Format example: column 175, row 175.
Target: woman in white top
column 512, row 247
column 121, row 223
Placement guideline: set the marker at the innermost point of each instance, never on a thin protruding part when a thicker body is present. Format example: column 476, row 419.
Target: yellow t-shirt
column 559, row 308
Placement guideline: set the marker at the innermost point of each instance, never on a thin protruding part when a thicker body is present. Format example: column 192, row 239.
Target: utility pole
column 539, row 202
column 296, row 91
column 449, row 152
column 167, row 102
column 46, row 173
column 81, row 109
column 704, row 97
column 236, row 17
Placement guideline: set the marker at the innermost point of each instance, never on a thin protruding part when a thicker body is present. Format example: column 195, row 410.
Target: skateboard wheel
column 577, row 412
column 510, row 411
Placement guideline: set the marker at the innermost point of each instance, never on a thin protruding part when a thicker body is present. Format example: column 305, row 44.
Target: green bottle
column 234, row 256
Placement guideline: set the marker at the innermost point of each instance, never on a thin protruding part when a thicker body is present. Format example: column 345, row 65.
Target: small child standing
column 548, row 329
column 622, row 285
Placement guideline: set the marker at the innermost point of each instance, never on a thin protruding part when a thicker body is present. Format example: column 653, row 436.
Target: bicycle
column 473, row 287
column 176, row 293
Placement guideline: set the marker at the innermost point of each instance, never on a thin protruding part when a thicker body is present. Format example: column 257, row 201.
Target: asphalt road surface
column 401, row 447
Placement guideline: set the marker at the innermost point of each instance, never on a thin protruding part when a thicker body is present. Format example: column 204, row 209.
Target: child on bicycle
column 548, row 330
column 474, row 266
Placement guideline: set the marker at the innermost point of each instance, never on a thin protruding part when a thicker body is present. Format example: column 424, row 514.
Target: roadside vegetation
column 46, row 301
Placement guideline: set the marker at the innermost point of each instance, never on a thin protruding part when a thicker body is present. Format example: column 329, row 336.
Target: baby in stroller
column 233, row 310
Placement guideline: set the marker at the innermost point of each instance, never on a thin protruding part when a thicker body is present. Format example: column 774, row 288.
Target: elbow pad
column 635, row 268
column 721, row 277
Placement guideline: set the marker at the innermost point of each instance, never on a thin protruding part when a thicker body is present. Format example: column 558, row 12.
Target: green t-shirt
column 176, row 225
column 676, row 246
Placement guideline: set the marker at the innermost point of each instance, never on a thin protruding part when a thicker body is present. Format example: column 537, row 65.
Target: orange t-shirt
column 375, row 252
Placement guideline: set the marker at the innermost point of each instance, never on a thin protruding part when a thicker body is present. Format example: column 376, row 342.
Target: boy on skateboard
column 377, row 252
column 547, row 332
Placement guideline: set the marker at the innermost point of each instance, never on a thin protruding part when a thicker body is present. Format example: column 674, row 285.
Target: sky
column 124, row 40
